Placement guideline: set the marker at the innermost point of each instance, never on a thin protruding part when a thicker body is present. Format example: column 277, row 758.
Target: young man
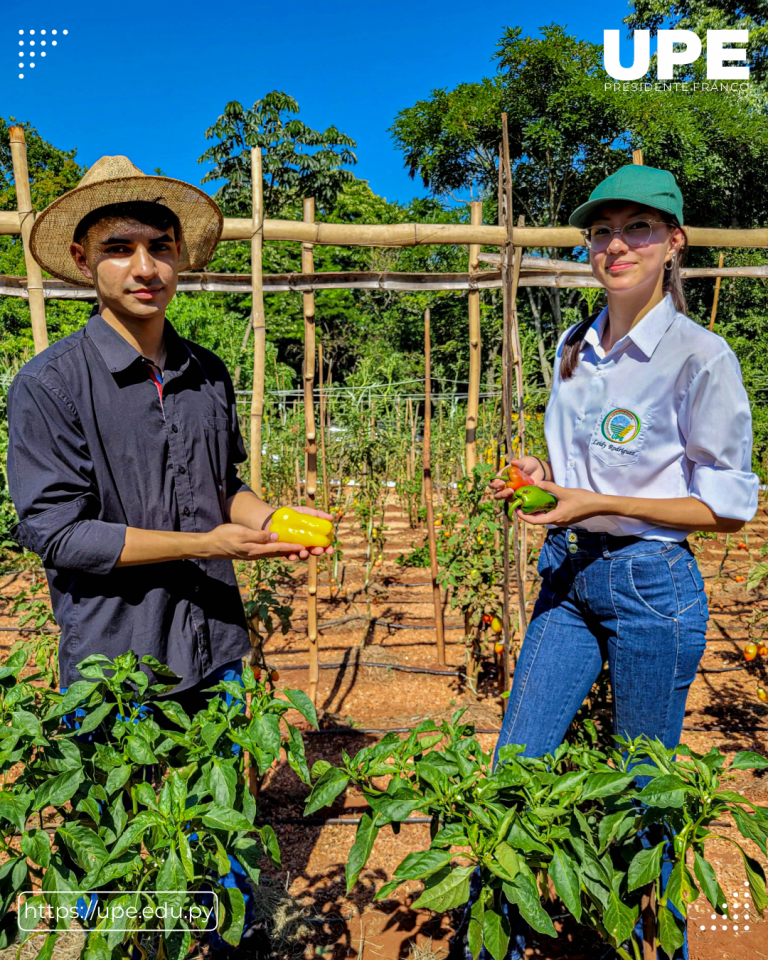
column 124, row 440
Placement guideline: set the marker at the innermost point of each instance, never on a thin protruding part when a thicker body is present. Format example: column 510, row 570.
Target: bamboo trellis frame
column 310, row 483
column 475, row 348
column 258, row 321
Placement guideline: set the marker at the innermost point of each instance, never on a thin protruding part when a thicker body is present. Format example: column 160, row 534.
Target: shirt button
column 572, row 548
column 182, row 470
column 174, row 428
column 581, row 416
column 185, row 511
column 572, row 538
column 571, row 463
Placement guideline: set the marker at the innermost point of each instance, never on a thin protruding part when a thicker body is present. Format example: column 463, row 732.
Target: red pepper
column 516, row 478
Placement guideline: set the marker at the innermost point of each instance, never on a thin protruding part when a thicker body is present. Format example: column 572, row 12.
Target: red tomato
column 750, row 651
column 487, row 618
column 274, row 676
column 257, row 673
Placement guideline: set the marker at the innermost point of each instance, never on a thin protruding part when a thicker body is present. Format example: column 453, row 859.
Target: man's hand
column 233, row 541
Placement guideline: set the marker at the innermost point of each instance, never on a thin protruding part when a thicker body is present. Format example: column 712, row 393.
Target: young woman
column 649, row 435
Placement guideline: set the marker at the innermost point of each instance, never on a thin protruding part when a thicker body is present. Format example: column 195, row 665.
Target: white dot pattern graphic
column 741, row 905
column 31, row 53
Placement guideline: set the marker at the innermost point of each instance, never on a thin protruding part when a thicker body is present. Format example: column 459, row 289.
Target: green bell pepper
column 532, row 500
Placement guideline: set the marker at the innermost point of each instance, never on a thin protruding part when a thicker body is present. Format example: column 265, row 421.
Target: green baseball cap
column 647, row 185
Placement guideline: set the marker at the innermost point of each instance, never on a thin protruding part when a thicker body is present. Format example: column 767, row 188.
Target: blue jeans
column 640, row 605
column 192, row 701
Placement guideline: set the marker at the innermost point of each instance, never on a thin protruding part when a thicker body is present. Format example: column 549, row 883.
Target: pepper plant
column 139, row 801
column 577, row 816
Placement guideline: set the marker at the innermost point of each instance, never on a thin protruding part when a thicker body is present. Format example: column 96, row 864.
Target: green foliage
column 297, row 161
column 575, row 816
column 117, row 829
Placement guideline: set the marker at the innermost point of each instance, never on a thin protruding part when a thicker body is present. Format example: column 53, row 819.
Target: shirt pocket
column 618, row 438
column 216, row 430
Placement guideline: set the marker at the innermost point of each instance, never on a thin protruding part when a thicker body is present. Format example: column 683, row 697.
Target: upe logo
column 668, row 57
column 621, row 426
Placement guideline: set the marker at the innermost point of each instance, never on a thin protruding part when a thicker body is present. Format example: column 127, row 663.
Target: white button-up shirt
column 663, row 414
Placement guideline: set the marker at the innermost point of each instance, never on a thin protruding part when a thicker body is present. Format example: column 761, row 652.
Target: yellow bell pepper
column 294, row 527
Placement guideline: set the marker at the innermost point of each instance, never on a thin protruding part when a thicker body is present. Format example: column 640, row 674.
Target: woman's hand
column 528, row 465
column 574, row 505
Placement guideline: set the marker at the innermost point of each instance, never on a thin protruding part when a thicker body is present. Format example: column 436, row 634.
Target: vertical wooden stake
column 26, row 220
column 475, row 347
column 257, row 319
column 717, row 293
column 648, row 917
column 637, row 157
column 322, row 425
column 310, row 484
column 427, row 486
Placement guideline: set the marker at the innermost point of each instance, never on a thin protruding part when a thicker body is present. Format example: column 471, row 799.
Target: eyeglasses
column 635, row 234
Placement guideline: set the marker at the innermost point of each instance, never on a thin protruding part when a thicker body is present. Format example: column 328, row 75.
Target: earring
column 669, row 263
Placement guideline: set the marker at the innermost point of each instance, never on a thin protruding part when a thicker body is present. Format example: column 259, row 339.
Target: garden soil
column 363, row 691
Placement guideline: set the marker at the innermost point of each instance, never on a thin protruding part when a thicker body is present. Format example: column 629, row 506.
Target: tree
column 297, row 161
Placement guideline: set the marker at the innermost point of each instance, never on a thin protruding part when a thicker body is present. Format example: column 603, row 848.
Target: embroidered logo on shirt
column 621, row 426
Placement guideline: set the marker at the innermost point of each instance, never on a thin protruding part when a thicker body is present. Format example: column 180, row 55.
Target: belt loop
column 605, row 549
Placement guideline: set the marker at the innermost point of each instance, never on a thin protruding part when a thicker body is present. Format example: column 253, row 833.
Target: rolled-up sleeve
column 716, row 424
column 50, row 478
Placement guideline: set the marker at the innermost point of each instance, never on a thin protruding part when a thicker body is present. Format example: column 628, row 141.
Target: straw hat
column 117, row 180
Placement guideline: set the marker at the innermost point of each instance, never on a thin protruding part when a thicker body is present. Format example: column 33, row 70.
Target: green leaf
column 265, row 731
column 118, row 777
column 84, row 845
column 421, row 864
column 392, row 808
column 383, row 892
column 508, row 859
column 36, row 845
column 219, row 817
column 444, row 891
column 139, row 751
column 319, row 767
column 750, row 827
column 328, row 787
column 185, row 855
column 756, row 879
column 56, row 791
column 670, row 930
column 132, row 834
column 605, row 785
column 496, row 933
column 367, row 831
column 222, row 782
column 645, row 866
column 618, row 919
column 475, row 931
column 665, row 791
column 249, row 854
column 95, row 717
column 747, row 760
column 96, row 947
column 145, row 794
column 270, row 844
column 565, row 875
column 232, row 900
column 174, row 712
column 303, row 704
column 681, row 888
column 705, row 874
column 171, row 886
column 524, row 892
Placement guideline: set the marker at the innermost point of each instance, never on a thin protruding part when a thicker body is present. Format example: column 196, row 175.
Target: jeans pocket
column 698, row 586
column 651, row 582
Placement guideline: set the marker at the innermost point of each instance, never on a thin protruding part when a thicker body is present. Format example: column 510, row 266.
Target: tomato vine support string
column 310, row 481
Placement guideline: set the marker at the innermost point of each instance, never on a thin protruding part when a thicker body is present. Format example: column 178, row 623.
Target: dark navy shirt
column 95, row 448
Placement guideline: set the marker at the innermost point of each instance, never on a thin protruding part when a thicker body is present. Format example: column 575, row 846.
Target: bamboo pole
column 637, row 157
column 26, row 217
column 425, row 234
column 648, row 917
column 717, row 293
column 257, row 319
column 475, row 348
column 427, row 485
column 310, row 482
column 322, row 425
column 505, row 416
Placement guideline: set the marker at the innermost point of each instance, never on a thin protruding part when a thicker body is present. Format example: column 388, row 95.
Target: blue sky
column 146, row 79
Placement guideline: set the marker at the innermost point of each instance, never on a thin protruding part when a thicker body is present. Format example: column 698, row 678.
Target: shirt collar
column 646, row 335
column 118, row 354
